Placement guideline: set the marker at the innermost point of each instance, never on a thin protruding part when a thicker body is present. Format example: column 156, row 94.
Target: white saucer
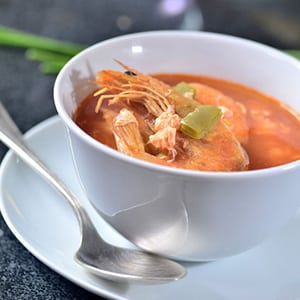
column 43, row 222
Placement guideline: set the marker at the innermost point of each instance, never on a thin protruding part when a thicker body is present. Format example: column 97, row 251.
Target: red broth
column 274, row 136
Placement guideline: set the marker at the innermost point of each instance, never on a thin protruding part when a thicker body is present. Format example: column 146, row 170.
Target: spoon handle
column 11, row 136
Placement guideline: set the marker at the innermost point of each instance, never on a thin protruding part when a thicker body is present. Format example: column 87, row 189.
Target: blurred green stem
column 53, row 54
column 292, row 52
column 51, row 67
column 44, row 55
column 16, row 38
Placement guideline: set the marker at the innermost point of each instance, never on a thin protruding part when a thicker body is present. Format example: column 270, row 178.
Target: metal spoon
column 94, row 254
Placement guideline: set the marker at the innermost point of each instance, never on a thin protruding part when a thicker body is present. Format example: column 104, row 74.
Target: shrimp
column 139, row 88
column 217, row 151
column 133, row 86
column 234, row 112
column 148, row 125
column 129, row 139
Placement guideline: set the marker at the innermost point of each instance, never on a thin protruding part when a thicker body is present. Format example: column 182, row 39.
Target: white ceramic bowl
column 188, row 215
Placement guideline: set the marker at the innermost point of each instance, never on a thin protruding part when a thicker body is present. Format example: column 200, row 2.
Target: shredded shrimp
column 155, row 135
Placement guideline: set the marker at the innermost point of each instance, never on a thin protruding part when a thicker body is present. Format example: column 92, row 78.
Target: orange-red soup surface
column 274, row 129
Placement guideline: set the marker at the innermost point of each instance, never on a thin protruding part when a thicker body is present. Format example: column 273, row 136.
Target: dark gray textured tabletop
column 27, row 94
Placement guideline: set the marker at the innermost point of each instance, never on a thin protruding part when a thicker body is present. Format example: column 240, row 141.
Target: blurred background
column 273, row 22
column 27, row 93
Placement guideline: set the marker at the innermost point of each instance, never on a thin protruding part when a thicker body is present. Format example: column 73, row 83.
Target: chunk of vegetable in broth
column 185, row 90
column 200, row 121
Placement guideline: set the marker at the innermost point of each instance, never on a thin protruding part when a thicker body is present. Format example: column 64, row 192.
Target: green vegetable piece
column 185, row 90
column 200, row 121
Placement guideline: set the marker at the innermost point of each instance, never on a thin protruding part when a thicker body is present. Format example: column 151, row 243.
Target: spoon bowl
column 94, row 254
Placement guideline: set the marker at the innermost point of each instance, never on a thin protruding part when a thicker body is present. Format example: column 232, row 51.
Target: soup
column 135, row 114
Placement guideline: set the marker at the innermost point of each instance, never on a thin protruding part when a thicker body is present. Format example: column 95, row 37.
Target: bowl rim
column 271, row 171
